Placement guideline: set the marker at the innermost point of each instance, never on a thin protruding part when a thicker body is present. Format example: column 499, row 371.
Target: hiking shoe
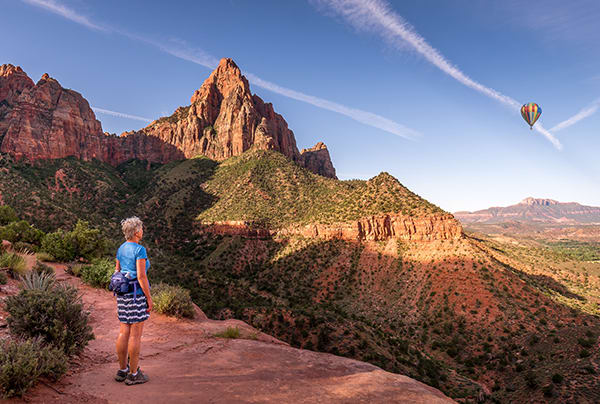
column 121, row 375
column 139, row 378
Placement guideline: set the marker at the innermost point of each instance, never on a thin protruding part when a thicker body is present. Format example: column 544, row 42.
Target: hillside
column 535, row 211
column 362, row 269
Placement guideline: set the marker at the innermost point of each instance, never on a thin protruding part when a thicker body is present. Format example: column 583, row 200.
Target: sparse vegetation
column 172, row 300
column 230, row 332
column 14, row 263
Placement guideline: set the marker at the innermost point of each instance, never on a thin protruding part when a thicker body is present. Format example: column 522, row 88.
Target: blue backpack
column 121, row 285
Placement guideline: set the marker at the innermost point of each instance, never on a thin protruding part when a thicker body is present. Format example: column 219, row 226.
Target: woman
column 132, row 310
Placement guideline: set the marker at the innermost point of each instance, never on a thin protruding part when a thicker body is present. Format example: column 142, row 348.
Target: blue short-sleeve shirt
column 128, row 254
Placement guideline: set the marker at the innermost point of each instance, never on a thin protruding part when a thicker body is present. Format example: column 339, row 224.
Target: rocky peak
column 318, row 160
column 538, row 202
column 13, row 81
column 225, row 79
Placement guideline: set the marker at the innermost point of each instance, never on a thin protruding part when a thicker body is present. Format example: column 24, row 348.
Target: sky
column 426, row 90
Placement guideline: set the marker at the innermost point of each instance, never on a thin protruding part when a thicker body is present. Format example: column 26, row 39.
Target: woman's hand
column 150, row 305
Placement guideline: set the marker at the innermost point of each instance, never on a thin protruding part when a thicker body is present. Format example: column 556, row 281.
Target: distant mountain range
column 534, row 210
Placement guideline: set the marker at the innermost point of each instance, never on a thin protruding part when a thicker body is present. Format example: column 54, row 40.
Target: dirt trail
column 187, row 364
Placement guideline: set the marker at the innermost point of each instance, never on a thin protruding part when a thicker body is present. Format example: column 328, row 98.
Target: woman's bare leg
column 135, row 341
column 122, row 342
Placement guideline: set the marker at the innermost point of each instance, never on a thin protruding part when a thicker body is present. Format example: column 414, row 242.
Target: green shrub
column 56, row 315
column 98, row 274
column 42, row 268
column 7, row 215
column 23, row 362
column 38, row 280
column 3, row 278
column 15, row 264
column 58, row 246
column 82, row 241
column 44, row 256
column 230, row 332
column 172, row 300
column 86, row 242
column 21, row 231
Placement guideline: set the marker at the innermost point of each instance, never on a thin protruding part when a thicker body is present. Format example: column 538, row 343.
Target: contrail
column 378, row 17
column 584, row 113
column 181, row 50
column 365, row 117
column 57, row 8
column 120, row 114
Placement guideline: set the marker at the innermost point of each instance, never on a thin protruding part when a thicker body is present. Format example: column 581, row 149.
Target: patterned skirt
column 130, row 312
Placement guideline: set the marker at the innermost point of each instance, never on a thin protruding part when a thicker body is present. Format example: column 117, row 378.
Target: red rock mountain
column 534, row 210
column 47, row 121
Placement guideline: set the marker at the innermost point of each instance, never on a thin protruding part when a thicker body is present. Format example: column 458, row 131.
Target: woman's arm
column 117, row 266
column 143, row 280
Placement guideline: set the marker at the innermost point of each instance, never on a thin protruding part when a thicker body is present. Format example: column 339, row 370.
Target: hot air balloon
column 531, row 112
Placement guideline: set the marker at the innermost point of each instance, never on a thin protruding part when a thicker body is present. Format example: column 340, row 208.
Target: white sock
column 125, row 370
column 134, row 374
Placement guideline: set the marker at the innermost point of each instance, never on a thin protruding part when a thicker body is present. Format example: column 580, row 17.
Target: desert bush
column 82, row 241
column 76, row 269
column 7, row 215
column 3, row 278
column 23, row 246
column 42, row 268
column 86, row 242
column 43, row 256
column 172, row 300
column 23, row 362
column 58, row 246
column 230, row 332
column 21, row 231
column 56, row 315
column 557, row 378
column 98, row 273
column 38, row 280
column 15, row 264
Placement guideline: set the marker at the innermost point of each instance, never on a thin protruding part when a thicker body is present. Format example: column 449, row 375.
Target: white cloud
column 182, row 50
column 60, row 9
column 377, row 16
column 120, row 114
column 584, row 113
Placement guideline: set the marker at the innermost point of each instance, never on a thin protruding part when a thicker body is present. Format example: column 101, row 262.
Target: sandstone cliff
column 225, row 119
column 47, row 121
column 400, row 227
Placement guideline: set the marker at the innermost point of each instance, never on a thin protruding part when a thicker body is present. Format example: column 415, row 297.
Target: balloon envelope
column 531, row 112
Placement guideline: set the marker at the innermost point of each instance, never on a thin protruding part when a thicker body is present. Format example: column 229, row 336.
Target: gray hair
column 130, row 226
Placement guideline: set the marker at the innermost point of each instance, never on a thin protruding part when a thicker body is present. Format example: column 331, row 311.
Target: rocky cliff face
column 317, row 160
column 47, row 121
column 225, row 119
column 374, row 228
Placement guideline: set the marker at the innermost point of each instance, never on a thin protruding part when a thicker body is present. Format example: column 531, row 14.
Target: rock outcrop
column 373, row 228
column 317, row 160
column 47, row 121
column 225, row 119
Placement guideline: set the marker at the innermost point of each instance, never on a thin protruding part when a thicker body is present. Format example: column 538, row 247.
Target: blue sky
column 425, row 90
